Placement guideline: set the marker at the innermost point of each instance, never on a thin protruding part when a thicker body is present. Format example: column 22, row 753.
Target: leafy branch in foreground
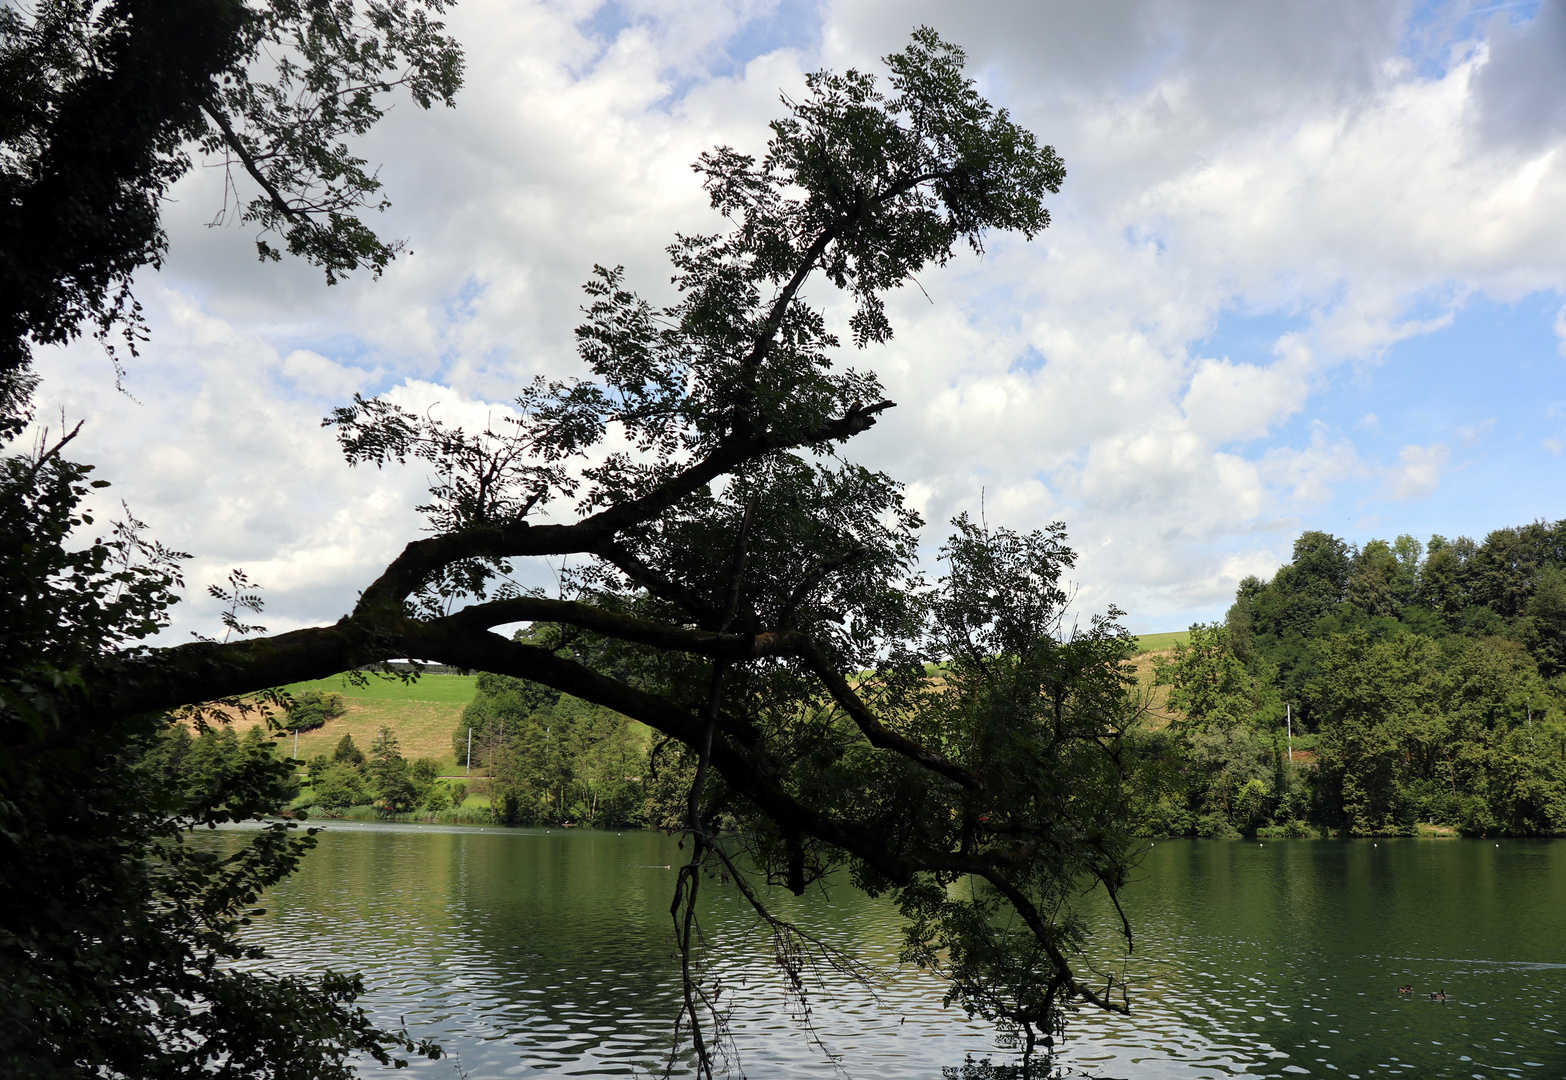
column 740, row 587
column 101, row 103
column 120, row 951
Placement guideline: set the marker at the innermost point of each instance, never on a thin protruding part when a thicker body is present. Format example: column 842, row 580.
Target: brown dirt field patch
column 1158, row 714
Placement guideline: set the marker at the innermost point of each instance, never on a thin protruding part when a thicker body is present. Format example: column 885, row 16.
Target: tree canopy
column 102, row 103
column 1425, row 682
column 120, row 950
column 738, row 585
column 120, row 937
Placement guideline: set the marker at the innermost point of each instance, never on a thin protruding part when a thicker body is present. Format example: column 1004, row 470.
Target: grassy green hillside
column 423, row 714
column 442, row 689
column 1159, row 642
column 426, row 712
column 1156, row 697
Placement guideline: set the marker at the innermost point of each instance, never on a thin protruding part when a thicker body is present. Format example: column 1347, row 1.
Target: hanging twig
column 688, row 884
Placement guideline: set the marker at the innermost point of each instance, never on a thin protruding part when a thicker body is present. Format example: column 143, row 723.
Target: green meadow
column 426, row 711
column 423, row 714
column 1159, row 642
column 441, row 689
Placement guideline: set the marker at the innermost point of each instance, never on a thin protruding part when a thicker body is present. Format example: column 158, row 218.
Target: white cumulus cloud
column 1418, row 471
column 1334, row 165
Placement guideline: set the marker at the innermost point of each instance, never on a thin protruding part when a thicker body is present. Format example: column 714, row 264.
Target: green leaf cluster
column 553, row 758
column 120, row 950
column 385, row 779
column 73, row 588
column 101, row 105
column 1425, row 685
column 1042, row 712
column 311, row 709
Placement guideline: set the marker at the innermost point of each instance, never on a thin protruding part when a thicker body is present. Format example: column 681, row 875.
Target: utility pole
column 296, row 743
column 1288, row 720
column 469, row 770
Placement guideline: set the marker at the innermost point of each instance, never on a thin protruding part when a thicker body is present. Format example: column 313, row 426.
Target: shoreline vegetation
column 482, row 817
column 1388, row 689
column 468, row 815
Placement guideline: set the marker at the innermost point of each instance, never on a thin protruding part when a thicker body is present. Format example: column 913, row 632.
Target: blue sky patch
column 1490, row 388
column 1248, row 338
column 1030, row 361
column 785, row 24
column 1434, row 27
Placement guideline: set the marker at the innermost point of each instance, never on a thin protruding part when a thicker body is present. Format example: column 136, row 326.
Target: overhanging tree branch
column 421, row 560
column 726, row 506
column 258, row 174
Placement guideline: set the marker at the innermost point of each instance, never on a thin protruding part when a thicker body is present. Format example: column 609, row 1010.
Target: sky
column 1307, row 271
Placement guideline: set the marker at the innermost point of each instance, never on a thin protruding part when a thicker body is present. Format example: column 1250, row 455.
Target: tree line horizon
column 1427, row 680
column 1338, row 615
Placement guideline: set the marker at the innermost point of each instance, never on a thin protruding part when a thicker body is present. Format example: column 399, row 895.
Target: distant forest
column 554, row 758
column 1426, row 683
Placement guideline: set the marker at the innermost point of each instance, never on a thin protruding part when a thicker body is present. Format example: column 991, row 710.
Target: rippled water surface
column 525, row 952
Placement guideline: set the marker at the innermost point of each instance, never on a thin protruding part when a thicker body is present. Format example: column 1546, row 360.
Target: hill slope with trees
column 1427, row 680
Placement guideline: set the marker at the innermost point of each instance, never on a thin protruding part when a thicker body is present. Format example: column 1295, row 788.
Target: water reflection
column 1284, row 959
column 526, row 951
column 523, row 950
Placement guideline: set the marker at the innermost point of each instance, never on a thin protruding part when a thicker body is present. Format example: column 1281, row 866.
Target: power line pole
column 1288, row 719
column 469, row 770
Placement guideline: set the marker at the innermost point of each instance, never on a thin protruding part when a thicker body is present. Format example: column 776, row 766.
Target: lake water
column 527, row 952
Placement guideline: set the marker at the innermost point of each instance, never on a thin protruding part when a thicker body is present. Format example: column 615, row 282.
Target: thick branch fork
column 381, row 628
column 421, row 560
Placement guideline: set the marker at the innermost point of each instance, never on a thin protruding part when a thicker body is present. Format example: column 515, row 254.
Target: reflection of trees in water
column 508, row 944
column 1040, row 1068
column 515, row 945
column 983, row 1069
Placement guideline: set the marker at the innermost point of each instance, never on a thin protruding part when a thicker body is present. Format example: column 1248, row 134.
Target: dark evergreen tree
column 346, row 753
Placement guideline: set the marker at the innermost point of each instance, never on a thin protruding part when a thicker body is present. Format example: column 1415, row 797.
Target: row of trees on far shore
column 553, row 758
column 384, row 779
column 1424, row 683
